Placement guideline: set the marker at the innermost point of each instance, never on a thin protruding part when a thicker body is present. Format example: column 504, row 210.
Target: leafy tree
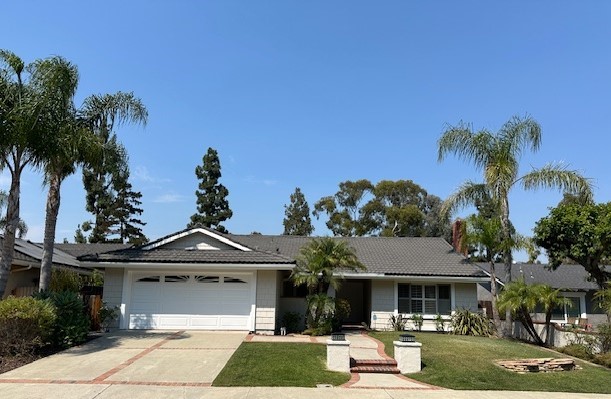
column 24, row 132
column 344, row 208
column 603, row 296
column 522, row 300
column 212, row 204
column 497, row 155
column 389, row 208
column 104, row 180
column 578, row 232
column 79, row 236
column 297, row 220
column 319, row 266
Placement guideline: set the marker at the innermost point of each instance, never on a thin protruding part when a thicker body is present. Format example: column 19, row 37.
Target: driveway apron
column 186, row 358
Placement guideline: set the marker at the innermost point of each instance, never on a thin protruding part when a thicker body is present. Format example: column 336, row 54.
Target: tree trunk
column 527, row 322
column 53, row 200
column 12, row 221
column 506, row 235
column 495, row 312
column 548, row 327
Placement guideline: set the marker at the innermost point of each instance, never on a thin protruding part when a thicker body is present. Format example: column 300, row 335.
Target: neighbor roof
column 28, row 251
column 572, row 277
column 78, row 250
column 413, row 256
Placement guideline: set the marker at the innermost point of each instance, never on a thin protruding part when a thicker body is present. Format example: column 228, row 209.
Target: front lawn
column 279, row 364
column 463, row 362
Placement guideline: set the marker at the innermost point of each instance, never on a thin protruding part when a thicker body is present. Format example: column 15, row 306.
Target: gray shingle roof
column 187, row 256
column 414, row 256
column 78, row 250
column 572, row 277
column 32, row 252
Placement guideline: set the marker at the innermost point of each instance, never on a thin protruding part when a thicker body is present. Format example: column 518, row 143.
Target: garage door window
column 233, row 280
column 176, row 279
column 150, row 279
column 207, row 279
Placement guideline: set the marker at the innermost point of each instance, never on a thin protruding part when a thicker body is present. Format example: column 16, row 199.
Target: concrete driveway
column 168, row 358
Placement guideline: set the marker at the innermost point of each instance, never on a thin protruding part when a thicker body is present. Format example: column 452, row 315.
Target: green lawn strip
column 279, row 364
column 462, row 362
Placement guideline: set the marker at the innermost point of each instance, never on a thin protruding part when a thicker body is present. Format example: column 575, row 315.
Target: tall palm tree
column 23, row 138
column 497, row 155
column 70, row 145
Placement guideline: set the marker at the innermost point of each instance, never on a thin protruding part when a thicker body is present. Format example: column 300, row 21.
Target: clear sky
column 309, row 94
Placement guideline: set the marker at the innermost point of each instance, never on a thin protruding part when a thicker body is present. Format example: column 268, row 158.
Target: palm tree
column 321, row 262
column 484, row 234
column 70, row 146
column 497, row 156
column 550, row 299
column 319, row 266
column 23, row 137
column 522, row 300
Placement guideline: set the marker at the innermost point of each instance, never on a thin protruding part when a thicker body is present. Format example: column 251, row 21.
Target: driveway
column 162, row 358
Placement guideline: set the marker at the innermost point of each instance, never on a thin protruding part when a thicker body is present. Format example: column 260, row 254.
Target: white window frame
column 582, row 306
column 423, row 299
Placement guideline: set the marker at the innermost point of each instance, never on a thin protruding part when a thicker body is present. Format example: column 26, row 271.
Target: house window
column 425, row 299
column 565, row 312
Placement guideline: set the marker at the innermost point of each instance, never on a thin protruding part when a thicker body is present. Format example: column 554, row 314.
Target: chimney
column 457, row 232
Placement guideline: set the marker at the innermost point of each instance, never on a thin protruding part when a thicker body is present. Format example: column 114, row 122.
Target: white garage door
column 202, row 301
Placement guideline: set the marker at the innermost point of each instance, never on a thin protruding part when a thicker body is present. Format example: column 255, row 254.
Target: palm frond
column 467, row 194
column 558, row 176
column 461, row 141
column 520, row 133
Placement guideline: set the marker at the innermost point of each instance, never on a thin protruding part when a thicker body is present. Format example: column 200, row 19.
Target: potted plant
column 107, row 315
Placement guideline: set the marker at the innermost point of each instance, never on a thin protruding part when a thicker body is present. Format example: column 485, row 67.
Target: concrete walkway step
column 373, row 362
column 375, row 369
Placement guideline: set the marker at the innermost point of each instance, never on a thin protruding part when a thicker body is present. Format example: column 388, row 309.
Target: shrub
column 397, row 322
column 325, row 314
column 65, row 280
column 603, row 359
column 107, row 314
column 440, row 323
column 25, row 325
column 604, row 337
column 418, row 321
column 291, row 321
column 72, row 322
column 577, row 350
column 465, row 322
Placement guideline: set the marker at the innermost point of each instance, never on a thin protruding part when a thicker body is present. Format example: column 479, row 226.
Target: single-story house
column 201, row 279
column 573, row 282
column 25, row 269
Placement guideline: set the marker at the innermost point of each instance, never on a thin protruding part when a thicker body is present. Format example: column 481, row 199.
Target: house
column 573, row 282
column 201, row 279
column 25, row 269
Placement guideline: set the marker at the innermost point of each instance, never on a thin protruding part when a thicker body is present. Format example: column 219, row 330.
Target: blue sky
column 313, row 93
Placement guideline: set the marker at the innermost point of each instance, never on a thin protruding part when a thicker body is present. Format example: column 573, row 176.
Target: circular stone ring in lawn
column 544, row 365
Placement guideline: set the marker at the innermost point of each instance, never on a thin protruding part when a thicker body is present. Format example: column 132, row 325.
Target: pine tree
column 297, row 220
column 125, row 225
column 212, row 204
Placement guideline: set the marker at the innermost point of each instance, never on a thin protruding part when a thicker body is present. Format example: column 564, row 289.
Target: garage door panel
column 192, row 301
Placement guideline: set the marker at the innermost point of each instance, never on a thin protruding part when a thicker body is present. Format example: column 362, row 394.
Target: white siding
column 466, row 296
column 382, row 303
column 22, row 283
column 113, row 289
column 265, row 319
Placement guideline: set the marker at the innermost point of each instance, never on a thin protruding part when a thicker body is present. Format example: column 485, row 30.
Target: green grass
column 279, row 364
column 462, row 362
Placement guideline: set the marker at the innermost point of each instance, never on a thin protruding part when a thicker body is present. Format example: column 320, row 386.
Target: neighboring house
column 573, row 282
column 25, row 270
column 201, row 279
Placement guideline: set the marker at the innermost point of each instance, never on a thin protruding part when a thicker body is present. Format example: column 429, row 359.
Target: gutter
column 23, row 269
